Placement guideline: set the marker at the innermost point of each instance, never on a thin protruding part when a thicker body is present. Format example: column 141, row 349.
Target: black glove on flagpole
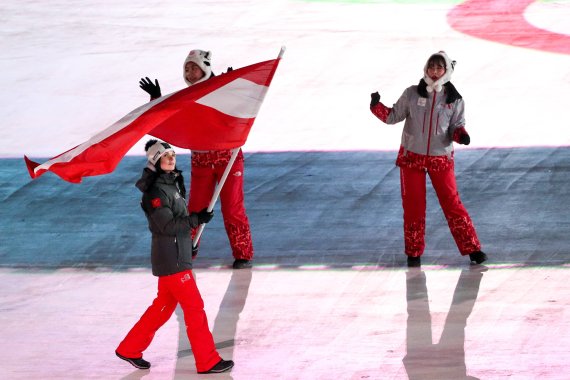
column 204, row 216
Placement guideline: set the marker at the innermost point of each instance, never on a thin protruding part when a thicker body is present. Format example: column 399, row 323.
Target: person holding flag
column 215, row 115
column 164, row 205
column 207, row 167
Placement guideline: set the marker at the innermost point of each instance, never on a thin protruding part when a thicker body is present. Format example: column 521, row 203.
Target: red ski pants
column 202, row 185
column 176, row 288
column 413, row 188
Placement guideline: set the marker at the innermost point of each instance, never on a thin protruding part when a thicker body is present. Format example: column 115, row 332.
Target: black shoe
column 139, row 363
column 414, row 261
column 478, row 257
column 242, row 264
column 222, row 366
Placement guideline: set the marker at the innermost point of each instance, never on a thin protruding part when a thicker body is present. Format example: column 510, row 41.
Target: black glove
column 153, row 89
column 464, row 139
column 230, row 69
column 205, row 216
column 374, row 99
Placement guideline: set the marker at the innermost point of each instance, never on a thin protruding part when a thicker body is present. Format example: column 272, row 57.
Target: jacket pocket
column 443, row 119
column 184, row 245
column 164, row 251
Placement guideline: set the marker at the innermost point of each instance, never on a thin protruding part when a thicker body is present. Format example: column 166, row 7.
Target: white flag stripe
column 117, row 126
column 239, row 98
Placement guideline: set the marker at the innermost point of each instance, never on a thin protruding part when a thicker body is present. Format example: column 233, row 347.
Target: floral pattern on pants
column 413, row 189
column 207, row 170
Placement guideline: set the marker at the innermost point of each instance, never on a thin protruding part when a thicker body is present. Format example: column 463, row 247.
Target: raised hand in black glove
column 204, row 216
column 374, row 99
column 464, row 139
column 229, row 70
column 153, row 89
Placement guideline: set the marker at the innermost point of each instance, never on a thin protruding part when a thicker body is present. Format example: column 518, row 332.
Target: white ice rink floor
column 329, row 296
column 362, row 323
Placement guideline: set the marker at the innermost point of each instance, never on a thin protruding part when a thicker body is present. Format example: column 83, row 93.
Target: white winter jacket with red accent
column 430, row 122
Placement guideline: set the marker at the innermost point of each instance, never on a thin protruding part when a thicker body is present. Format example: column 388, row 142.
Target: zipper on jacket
column 431, row 121
column 177, row 252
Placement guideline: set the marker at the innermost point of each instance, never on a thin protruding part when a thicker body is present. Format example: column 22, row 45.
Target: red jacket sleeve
column 458, row 133
column 381, row 111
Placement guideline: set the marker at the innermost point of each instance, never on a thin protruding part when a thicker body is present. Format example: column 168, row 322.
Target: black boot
column 139, row 363
column 478, row 257
column 242, row 264
column 414, row 261
column 222, row 366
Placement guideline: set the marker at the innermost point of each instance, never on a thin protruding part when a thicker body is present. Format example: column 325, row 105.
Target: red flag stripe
column 215, row 114
column 204, row 122
column 100, row 137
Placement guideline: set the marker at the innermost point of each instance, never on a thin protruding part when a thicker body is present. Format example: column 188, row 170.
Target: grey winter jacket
column 168, row 220
column 430, row 122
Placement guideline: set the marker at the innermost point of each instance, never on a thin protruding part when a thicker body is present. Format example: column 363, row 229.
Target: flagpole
column 223, row 179
column 216, row 194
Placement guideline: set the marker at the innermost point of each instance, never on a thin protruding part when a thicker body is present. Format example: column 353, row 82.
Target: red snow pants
column 207, row 170
column 413, row 188
column 176, row 288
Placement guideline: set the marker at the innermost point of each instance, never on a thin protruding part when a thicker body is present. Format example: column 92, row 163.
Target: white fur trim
column 203, row 59
column 438, row 84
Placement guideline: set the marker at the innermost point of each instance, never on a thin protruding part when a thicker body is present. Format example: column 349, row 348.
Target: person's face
column 193, row 72
column 435, row 70
column 168, row 162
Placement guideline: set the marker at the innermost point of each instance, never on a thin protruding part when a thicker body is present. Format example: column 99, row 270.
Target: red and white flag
column 211, row 115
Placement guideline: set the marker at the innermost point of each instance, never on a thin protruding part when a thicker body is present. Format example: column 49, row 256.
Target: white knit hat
column 202, row 59
column 155, row 151
column 438, row 84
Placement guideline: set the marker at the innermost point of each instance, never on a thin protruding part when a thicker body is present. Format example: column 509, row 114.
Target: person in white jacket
column 434, row 118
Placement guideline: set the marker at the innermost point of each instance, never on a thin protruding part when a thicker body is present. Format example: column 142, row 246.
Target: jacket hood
column 438, row 84
column 149, row 177
column 203, row 59
column 146, row 180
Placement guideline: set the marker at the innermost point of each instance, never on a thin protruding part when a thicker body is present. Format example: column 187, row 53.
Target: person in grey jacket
column 164, row 205
column 434, row 118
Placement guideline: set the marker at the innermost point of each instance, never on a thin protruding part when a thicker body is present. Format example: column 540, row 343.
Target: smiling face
column 168, row 162
column 193, row 72
column 436, row 67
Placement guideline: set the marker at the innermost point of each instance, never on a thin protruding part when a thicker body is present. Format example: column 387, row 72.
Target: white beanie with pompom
column 155, row 150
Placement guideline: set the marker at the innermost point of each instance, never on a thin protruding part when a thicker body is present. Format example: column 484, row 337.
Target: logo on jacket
column 156, row 203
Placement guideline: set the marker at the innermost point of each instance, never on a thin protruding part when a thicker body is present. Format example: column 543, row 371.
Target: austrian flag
column 215, row 114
